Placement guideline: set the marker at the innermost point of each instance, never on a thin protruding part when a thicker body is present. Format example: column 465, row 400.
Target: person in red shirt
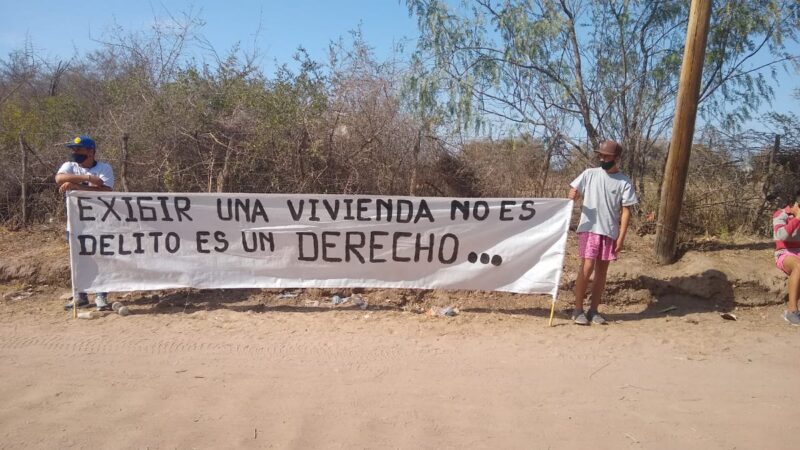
column 786, row 231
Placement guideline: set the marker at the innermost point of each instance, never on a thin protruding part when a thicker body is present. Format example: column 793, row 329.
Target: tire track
column 275, row 349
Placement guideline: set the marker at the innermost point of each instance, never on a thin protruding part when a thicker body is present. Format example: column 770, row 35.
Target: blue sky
column 57, row 29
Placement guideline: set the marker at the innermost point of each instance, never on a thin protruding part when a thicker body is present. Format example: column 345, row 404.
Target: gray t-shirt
column 604, row 194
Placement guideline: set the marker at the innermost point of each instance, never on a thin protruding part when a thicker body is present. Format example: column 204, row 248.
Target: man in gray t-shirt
column 607, row 196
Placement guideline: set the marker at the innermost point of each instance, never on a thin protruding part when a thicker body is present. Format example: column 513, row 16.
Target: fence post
column 24, row 180
column 767, row 187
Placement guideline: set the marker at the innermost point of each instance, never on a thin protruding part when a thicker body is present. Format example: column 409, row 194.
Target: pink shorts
column 789, row 252
column 596, row 246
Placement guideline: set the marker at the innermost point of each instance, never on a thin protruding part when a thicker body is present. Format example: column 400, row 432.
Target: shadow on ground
column 637, row 298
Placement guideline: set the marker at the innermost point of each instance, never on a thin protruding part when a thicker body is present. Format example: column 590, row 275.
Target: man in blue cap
column 85, row 173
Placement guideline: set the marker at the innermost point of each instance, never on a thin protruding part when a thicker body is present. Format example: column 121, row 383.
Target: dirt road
column 389, row 379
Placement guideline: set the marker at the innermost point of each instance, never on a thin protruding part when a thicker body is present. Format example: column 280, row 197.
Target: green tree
column 598, row 69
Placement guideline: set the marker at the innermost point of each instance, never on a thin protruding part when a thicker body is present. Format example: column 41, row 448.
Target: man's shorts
column 596, row 246
column 788, row 252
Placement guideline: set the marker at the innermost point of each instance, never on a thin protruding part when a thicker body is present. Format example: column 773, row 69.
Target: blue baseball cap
column 82, row 141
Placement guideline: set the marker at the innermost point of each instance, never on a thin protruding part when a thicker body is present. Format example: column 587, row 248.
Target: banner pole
column 561, row 268
column 71, row 259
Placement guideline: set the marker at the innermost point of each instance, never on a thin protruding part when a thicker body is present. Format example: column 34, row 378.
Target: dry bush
column 508, row 167
column 215, row 127
column 342, row 126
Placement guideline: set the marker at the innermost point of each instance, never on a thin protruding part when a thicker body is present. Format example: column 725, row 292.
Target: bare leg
column 600, row 271
column 587, row 267
column 792, row 265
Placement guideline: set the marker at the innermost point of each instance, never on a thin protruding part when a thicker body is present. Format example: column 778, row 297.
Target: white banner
column 144, row 241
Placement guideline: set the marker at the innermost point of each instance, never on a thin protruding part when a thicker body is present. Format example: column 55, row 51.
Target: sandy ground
column 240, row 375
column 257, row 369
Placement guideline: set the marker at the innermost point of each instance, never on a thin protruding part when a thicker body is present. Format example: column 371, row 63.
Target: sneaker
column 83, row 302
column 596, row 318
column 579, row 317
column 101, row 303
column 793, row 317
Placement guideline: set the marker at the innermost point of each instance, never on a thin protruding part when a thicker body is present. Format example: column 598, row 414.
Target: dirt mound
column 711, row 274
column 740, row 272
column 38, row 255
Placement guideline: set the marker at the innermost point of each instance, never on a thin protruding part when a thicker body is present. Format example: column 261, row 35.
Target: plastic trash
column 359, row 301
column 448, row 311
column 338, row 300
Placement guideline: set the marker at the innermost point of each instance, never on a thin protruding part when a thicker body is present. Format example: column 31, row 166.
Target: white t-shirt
column 604, row 194
column 101, row 170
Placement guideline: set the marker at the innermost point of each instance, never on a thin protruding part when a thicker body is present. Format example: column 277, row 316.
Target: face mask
column 607, row 165
column 78, row 158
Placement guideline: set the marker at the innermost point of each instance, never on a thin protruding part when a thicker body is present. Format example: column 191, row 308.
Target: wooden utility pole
column 672, row 188
column 24, row 180
column 125, row 162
